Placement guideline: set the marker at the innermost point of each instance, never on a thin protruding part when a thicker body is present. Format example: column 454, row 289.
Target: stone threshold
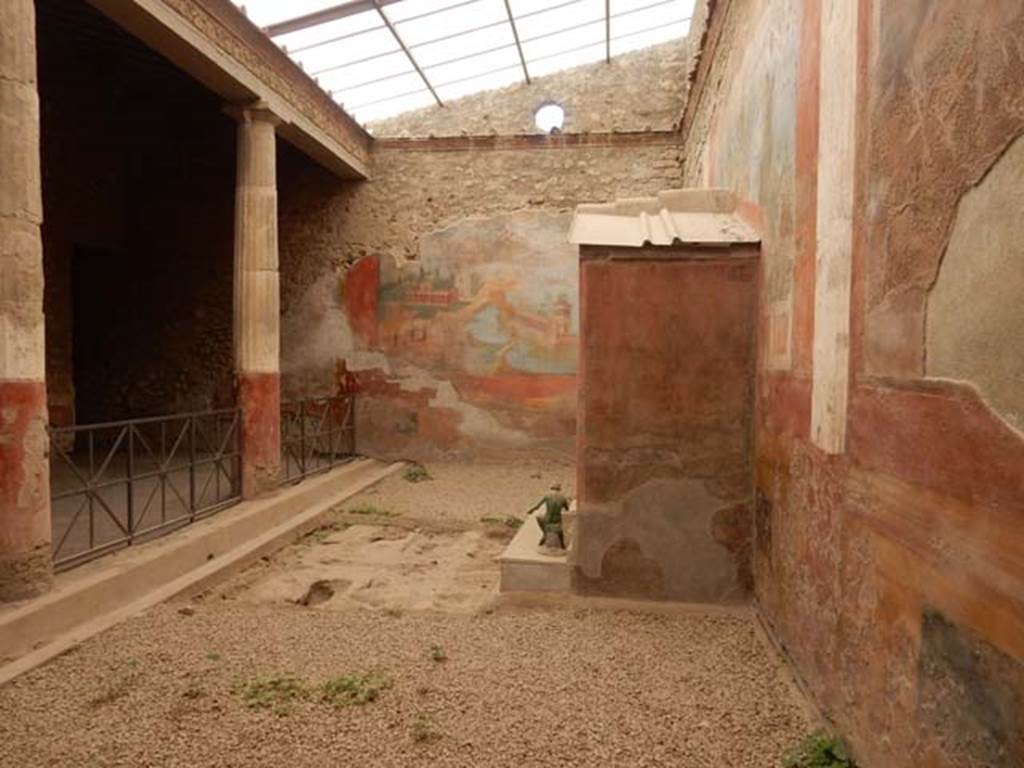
column 105, row 592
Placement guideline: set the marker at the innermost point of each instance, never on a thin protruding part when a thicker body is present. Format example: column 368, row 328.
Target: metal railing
column 316, row 434
column 120, row 482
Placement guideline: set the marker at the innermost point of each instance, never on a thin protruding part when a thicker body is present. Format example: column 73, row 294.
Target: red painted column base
column 26, row 563
column 259, row 398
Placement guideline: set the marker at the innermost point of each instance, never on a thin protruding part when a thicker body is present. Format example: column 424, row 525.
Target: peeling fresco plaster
column 471, row 345
column 945, row 102
column 975, row 313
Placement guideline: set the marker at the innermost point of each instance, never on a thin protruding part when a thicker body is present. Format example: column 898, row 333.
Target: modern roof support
column 377, row 4
column 583, row 47
column 519, row 46
column 608, row 31
column 333, row 13
column 353, row 67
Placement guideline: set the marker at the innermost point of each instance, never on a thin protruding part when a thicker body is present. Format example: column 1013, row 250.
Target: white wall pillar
column 833, row 275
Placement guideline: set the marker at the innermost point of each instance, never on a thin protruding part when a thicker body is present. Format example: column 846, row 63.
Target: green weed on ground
column 416, row 473
column 353, row 690
column 425, row 728
column 820, row 750
column 321, row 534
column 279, row 693
column 371, row 510
column 276, row 693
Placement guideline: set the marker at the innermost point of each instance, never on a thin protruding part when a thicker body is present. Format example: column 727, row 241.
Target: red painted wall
column 359, row 292
column 24, row 491
column 664, row 420
column 892, row 573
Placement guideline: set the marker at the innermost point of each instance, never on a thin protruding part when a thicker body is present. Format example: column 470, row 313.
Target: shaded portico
column 160, row 240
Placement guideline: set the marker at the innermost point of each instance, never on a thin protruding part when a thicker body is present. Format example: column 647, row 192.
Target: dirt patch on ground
column 379, row 567
column 401, row 545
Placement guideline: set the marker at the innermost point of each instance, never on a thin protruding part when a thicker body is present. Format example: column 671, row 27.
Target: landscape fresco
column 491, row 305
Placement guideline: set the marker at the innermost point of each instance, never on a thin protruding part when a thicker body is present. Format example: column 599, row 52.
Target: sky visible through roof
column 460, row 47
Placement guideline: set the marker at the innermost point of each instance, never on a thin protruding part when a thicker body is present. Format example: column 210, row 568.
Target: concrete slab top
column 683, row 216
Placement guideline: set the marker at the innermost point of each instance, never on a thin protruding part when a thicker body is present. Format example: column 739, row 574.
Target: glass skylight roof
column 381, row 57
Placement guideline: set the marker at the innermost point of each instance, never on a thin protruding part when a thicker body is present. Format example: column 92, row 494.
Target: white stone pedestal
column 524, row 568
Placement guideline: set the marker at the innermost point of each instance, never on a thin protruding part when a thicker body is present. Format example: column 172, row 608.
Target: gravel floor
column 501, row 686
column 519, row 688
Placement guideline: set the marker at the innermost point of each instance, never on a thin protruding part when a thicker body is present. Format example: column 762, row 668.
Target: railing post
column 129, row 482
column 164, row 470
column 350, row 423
column 192, row 467
column 89, row 492
column 334, row 431
column 218, row 457
column 302, row 437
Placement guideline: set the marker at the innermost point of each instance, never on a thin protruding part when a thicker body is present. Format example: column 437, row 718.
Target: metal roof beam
column 608, row 31
column 373, row 57
column 519, row 46
column 374, row 81
column 507, row 46
column 330, row 40
column 333, row 13
column 412, row 59
column 585, row 46
column 460, row 33
column 582, row 24
column 512, row 67
column 539, row 58
column 406, row 20
column 388, row 98
column 436, row 11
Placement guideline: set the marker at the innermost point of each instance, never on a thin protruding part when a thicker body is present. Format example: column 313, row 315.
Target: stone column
column 25, row 559
column 257, row 300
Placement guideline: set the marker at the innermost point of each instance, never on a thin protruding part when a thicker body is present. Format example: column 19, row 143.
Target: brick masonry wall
column 890, row 570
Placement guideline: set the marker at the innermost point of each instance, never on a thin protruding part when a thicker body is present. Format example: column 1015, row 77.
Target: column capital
column 252, row 112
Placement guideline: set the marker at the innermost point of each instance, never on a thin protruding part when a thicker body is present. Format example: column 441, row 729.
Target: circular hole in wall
column 549, row 118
